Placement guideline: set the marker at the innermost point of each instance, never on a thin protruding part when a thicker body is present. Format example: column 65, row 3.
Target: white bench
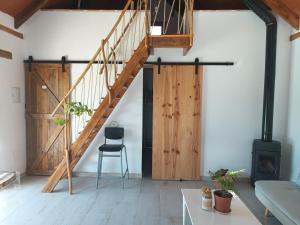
column 281, row 198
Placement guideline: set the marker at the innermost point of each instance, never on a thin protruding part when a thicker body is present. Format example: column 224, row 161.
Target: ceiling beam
column 25, row 14
column 5, row 54
column 119, row 4
column 282, row 10
column 11, row 31
column 294, row 36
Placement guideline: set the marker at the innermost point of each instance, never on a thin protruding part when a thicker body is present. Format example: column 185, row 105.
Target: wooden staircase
column 115, row 85
column 100, row 116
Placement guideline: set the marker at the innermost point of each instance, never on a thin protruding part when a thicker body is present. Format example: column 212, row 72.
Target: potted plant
column 225, row 180
column 74, row 108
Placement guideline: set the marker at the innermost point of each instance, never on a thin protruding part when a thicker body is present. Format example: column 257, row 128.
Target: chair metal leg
column 99, row 167
column 98, row 170
column 122, row 168
column 126, row 162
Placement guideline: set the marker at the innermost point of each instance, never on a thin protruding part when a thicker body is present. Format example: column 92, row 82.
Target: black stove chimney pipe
column 270, row 66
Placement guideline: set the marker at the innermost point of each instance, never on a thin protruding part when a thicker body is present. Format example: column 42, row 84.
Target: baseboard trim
column 239, row 179
column 94, row 174
column 139, row 176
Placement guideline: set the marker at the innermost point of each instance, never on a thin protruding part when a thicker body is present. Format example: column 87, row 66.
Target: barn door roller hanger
column 63, row 62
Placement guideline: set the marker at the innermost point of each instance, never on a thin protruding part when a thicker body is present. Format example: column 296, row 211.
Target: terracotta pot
column 222, row 204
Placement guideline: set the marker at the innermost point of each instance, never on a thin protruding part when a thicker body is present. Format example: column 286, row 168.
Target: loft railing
column 172, row 16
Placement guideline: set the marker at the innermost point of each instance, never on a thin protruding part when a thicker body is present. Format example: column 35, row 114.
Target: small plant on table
column 225, row 180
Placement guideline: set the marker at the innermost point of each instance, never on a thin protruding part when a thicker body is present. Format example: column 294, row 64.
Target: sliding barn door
column 46, row 84
column 176, row 123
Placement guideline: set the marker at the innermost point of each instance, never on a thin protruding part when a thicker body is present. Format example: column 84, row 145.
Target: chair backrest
column 114, row 133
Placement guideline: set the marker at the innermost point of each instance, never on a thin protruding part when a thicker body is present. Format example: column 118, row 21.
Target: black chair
column 113, row 133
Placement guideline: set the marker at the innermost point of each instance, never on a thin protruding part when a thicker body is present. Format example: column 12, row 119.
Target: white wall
column 232, row 96
column 293, row 131
column 12, row 115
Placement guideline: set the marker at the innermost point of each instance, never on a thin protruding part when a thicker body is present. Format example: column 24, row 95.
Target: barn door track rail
column 195, row 63
column 159, row 62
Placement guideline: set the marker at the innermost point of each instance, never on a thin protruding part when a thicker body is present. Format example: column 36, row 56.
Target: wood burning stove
column 266, row 152
column 265, row 160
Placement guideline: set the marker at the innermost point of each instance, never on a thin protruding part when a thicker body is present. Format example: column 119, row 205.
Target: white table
column 194, row 214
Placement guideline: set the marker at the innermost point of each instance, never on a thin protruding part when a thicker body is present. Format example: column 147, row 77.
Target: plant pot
column 222, row 201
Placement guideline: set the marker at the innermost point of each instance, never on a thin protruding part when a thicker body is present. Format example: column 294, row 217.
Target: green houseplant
column 74, row 108
column 225, row 181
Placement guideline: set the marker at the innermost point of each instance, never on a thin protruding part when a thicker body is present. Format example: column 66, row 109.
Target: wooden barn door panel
column 176, row 123
column 46, row 84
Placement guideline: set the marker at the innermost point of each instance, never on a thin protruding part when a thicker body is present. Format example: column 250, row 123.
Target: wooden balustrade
column 100, row 86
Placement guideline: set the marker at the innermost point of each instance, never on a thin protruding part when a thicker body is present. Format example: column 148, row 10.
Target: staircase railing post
column 67, row 150
column 105, row 71
column 191, row 23
column 146, row 23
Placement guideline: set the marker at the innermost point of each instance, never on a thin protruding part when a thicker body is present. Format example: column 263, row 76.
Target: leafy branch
column 225, row 178
column 73, row 108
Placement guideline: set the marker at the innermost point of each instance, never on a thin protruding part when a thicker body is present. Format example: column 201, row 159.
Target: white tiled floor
column 142, row 202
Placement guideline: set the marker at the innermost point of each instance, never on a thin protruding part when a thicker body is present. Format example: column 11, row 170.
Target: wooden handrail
column 120, row 38
column 93, row 58
column 146, row 22
column 118, row 21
